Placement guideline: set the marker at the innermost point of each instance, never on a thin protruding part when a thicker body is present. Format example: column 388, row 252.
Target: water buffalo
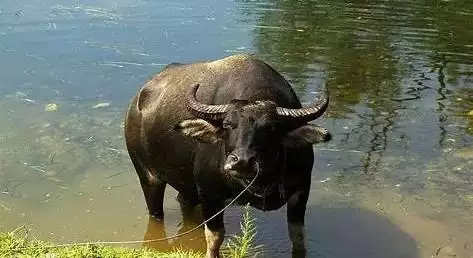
column 208, row 128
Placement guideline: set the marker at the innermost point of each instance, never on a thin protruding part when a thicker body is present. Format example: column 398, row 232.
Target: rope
column 150, row 240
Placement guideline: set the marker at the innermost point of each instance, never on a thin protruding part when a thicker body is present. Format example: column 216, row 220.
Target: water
column 396, row 181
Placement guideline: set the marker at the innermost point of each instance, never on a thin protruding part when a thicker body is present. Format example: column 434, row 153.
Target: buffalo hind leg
column 188, row 199
column 153, row 188
column 154, row 196
column 296, row 207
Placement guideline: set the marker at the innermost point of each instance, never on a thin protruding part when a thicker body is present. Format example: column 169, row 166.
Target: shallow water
column 396, row 180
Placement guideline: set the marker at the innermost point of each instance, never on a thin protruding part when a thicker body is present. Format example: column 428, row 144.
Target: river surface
column 396, row 180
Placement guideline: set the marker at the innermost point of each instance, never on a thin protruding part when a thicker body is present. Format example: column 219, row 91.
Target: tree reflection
column 374, row 56
column 449, row 49
column 448, row 32
column 354, row 49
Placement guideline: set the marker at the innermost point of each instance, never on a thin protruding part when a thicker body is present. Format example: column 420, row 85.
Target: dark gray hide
column 206, row 128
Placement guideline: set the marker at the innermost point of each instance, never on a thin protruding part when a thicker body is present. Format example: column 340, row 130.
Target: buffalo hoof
column 158, row 216
column 299, row 253
column 212, row 254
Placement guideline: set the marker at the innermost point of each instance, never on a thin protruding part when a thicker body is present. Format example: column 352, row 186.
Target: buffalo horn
column 308, row 113
column 204, row 111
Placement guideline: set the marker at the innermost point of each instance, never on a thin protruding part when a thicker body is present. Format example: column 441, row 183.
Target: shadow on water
column 331, row 232
column 357, row 233
column 339, row 232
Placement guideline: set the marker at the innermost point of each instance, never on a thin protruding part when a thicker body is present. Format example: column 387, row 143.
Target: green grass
column 15, row 244
column 240, row 246
column 12, row 245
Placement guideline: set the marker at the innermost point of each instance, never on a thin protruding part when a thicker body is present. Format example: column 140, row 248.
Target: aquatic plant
column 243, row 245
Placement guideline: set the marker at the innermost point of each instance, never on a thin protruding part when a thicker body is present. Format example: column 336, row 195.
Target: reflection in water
column 399, row 75
column 338, row 230
column 380, row 62
column 463, row 106
column 194, row 240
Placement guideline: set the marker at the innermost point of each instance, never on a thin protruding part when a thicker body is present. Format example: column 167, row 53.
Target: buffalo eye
column 270, row 128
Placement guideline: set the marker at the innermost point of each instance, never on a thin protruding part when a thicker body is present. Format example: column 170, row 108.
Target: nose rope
column 150, row 240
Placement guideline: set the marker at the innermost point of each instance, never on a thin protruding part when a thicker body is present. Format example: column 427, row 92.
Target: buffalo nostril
column 237, row 162
column 232, row 161
column 233, row 158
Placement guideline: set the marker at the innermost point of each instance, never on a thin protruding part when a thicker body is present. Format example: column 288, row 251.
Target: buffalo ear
column 306, row 135
column 199, row 129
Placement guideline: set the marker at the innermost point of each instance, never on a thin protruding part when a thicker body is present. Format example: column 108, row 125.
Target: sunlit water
column 396, row 180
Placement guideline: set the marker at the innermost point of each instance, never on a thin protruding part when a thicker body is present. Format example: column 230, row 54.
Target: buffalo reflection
column 194, row 240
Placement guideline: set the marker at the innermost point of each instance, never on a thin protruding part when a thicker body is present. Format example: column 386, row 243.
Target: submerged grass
column 15, row 244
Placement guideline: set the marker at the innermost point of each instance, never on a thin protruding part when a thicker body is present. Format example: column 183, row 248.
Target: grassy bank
column 15, row 244
column 12, row 245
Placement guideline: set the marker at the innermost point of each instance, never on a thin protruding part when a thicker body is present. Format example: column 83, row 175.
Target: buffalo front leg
column 296, row 207
column 214, row 229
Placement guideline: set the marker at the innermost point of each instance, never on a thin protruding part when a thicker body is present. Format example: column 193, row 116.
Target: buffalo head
column 254, row 134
